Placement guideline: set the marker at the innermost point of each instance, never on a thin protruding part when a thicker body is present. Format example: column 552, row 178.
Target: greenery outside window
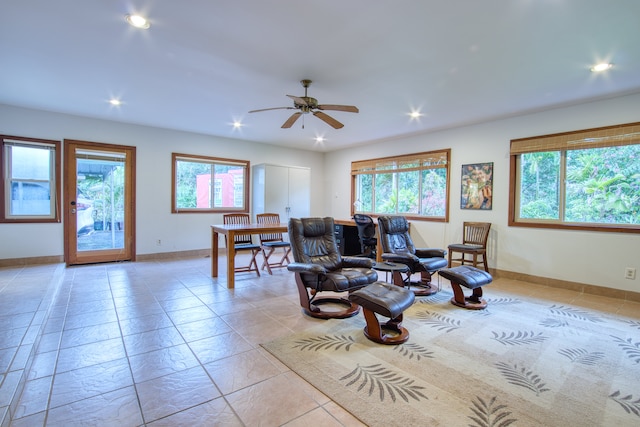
column 209, row 184
column 413, row 185
column 587, row 180
column 30, row 181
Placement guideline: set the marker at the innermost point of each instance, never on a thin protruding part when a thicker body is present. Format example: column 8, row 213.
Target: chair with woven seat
column 397, row 246
column 273, row 244
column 243, row 243
column 319, row 268
column 366, row 234
column 473, row 249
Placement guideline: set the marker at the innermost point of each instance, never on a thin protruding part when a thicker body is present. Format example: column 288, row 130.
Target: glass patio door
column 99, row 208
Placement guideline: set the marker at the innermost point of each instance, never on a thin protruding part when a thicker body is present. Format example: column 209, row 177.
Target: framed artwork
column 476, row 189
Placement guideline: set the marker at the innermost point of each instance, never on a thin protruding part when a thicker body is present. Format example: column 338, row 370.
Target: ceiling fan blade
column 274, row 108
column 328, row 119
column 298, row 100
column 347, row 108
column 291, row 120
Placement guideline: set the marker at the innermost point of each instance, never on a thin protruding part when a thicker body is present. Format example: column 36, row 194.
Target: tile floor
column 161, row 343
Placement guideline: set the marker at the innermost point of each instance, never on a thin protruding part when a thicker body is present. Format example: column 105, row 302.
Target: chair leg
column 484, row 262
column 253, row 264
column 266, row 253
column 254, row 261
column 287, row 252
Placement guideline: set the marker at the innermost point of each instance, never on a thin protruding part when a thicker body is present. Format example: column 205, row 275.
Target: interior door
column 99, row 200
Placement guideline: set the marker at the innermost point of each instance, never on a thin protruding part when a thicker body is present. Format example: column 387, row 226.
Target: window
column 412, row 185
column 209, row 184
column 30, row 179
column 588, row 180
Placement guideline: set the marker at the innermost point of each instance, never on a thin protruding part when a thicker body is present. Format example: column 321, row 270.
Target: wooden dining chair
column 273, row 244
column 473, row 249
column 243, row 243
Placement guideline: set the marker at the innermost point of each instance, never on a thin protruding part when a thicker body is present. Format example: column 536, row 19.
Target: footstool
column 469, row 277
column 387, row 300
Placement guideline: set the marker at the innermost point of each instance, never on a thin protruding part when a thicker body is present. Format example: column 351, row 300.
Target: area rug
column 521, row 361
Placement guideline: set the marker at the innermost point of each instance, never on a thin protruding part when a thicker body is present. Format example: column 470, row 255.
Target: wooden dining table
column 230, row 231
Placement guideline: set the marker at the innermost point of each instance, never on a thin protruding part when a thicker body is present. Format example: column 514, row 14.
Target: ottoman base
column 387, row 300
column 469, row 277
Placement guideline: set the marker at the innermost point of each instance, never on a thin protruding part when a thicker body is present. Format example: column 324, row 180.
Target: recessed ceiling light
column 138, row 21
column 237, row 125
column 115, row 102
column 601, row 67
column 319, row 139
column 415, row 114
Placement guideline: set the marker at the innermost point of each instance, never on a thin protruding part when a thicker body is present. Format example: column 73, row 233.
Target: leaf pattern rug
column 521, row 362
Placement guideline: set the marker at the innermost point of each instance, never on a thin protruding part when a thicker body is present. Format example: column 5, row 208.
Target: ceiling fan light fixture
column 138, row 21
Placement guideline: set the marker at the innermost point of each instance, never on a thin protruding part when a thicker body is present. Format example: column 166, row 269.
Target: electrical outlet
column 630, row 273
column 158, row 242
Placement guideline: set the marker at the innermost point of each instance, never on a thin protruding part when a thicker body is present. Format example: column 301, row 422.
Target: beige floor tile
column 210, row 414
column 342, row 415
column 118, row 408
column 316, row 417
column 147, row 366
column 34, row 397
column 271, row 403
column 630, row 309
column 152, row 340
column 90, row 354
column 218, row 347
column 307, row 388
column 79, row 384
column 205, row 328
column 241, row 370
column 175, row 392
column 598, row 302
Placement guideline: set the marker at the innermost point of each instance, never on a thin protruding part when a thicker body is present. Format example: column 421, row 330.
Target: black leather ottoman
column 469, row 277
column 387, row 300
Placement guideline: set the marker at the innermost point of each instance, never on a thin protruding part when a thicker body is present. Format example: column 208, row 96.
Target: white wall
column 579, row 256
column 178, row 232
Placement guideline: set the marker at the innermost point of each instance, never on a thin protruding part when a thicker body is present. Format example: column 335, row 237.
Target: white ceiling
column 204, row 64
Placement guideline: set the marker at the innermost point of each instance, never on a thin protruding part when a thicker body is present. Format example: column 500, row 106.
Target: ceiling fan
column 306, row 104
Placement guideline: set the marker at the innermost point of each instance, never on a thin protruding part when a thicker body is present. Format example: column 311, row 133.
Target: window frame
column 602, row 137
column 54, row 215
column 175, row 157
column 391, row 165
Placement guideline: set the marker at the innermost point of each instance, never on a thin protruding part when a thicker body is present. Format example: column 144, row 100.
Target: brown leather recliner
column 318, row 267
column 397, row 246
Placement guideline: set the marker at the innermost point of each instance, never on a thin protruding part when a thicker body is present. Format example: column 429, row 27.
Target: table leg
column 214, row 254
column 397, row 278
column 231, row 260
